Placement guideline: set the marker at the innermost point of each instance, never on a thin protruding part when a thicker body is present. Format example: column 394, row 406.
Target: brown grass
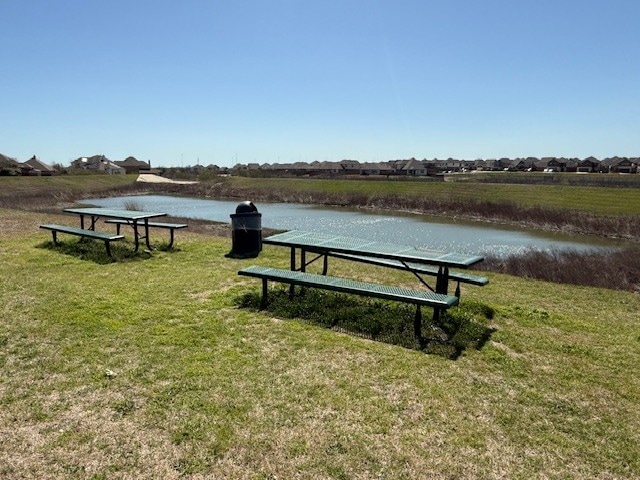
column 615, row 269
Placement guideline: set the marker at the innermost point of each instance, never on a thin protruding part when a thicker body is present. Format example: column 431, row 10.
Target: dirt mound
column 151, row 178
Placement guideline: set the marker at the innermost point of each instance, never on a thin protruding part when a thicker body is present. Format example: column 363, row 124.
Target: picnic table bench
column 420, row 298
column 106, row 237
column 169, row 226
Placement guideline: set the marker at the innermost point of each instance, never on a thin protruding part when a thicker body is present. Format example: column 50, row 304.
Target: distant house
column 571, row 165
column 34, row 166
column 453, row 165
column 588, row 165
column 549, row 164
column 417, row 168
column 400, row 167
column 621, row 165
column 98, row 164
column 350, row 167
column 89, row 163
column 371, row 168
column 133, row 165
column 506, row 164
column 495, row 165
column 297, row 168
column 110, row 168
column 198, row 169
column 8, row 165
column 523, row 165
column 327, row 168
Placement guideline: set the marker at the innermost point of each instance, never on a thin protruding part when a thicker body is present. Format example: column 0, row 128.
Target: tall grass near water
column 132, row 205
column 613, row 269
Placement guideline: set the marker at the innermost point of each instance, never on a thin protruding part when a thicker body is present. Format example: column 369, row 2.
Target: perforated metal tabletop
column 112, row 213
column 323, row 243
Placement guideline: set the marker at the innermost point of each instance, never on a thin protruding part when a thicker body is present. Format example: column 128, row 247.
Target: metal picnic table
column 136, row 219
column 325, row 245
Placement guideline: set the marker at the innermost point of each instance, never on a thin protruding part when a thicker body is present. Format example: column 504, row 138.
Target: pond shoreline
column 625, row 228
column 385, row 226
column 618, row 270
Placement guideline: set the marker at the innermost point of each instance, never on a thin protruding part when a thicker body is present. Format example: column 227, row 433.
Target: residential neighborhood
column 95, row 163
column 101, row 164
column 411, row 167
column 417, row 168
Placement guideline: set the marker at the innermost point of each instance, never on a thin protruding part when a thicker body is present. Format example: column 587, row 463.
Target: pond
column 406, row 229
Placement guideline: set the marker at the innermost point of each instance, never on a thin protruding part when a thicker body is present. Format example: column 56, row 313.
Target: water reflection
column 415, row 230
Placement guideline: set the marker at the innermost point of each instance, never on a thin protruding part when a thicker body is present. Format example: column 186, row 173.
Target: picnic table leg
column 442, row 281
column 146, row 233
column 171, row 238
column 107, row 244
column 263, row 301
column 442, row 286
column 417, row 323
column 135, row 235
column 293, row 258
column 303, row 265
column 293, row 269
column 436, row 316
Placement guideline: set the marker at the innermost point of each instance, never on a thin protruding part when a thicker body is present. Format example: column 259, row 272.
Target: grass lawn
column 596, row 200
column 160, row 366
column 76, row 183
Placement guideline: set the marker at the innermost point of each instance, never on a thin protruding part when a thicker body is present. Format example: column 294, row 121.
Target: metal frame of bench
column 170, row 226
column 420, row 298
column 414, row 268
column 106, row 237
column 442, row 274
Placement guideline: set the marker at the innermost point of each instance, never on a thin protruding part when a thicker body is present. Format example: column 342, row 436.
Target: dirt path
column 151, row 178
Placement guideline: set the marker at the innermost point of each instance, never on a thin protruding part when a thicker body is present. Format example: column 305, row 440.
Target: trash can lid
column 246, row 207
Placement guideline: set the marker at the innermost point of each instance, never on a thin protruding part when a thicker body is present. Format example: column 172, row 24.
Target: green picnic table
column 138, row 220
column 419, row 262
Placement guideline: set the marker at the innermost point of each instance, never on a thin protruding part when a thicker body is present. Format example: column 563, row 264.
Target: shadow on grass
column 95, row 251
column 461, row 328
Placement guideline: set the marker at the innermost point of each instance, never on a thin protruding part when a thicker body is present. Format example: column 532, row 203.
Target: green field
column 158, row 366
column 595, row 200
column 587, row 199
column 19, row 186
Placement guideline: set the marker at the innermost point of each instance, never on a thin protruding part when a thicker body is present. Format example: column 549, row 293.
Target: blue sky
column 240, row 81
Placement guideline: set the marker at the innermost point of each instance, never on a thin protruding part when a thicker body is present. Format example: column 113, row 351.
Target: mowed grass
column 156, row 366
column 19, row 186
column 595, row 200
column 610, row 201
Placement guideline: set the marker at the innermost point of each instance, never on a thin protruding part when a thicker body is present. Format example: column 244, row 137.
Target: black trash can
column 246, row 231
